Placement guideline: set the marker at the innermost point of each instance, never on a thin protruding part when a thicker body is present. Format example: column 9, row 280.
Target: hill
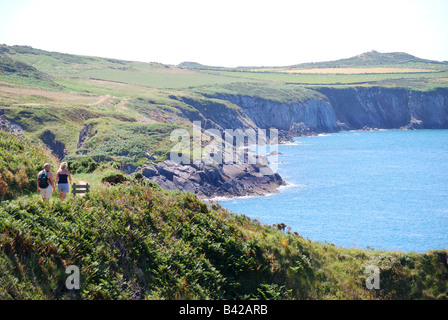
column 136, row 241
column 374, row 59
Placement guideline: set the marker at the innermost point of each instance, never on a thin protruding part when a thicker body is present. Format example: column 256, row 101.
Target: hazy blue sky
column 228, row 33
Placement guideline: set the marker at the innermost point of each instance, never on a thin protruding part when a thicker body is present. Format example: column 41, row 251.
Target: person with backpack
column 45, row 183
column 62, row 178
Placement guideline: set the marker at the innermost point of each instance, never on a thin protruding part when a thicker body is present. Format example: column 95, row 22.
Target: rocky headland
column 212, row 180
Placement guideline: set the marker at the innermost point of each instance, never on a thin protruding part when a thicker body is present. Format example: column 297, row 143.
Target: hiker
column 45, row 183
column 62, row 178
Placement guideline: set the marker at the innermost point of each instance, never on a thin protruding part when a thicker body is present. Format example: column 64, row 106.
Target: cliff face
column 430, row 108
column 349, row 109
column 389, row 108
column 312, row 114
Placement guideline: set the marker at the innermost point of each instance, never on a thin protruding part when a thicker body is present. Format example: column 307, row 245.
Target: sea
column 382, row 190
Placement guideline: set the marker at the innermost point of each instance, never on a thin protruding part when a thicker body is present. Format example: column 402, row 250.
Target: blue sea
column 386, row 190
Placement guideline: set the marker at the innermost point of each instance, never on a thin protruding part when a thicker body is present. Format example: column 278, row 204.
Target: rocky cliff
column 349, row 109
column 208, row 181
column 316, row 115
column 388, row 108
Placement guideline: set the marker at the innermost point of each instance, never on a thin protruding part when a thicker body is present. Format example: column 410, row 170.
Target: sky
column 228, row 33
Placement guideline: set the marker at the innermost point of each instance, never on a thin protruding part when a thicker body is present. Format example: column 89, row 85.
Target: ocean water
column 386, row 190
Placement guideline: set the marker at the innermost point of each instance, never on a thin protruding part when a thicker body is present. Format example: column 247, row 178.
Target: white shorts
column 46, row 193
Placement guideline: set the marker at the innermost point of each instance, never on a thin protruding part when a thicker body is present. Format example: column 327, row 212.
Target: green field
column 160, row 79
column 382, row 79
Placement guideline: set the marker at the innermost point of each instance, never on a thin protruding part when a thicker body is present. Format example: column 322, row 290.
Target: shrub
column 20, row 162
column 113, row 177
column 82, row 165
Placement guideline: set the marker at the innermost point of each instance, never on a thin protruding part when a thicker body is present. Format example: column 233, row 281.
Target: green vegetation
column 62, row 66
column 374, row 59
column 22, row 73
column 20, row 162
column 412, row 80
column 133, row 240
column 136, row 241
column 263, row 90
column 128, row 143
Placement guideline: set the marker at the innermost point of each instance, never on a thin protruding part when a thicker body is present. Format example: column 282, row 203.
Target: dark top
column 63, row 178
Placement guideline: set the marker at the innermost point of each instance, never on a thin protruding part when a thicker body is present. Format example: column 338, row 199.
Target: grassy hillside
column 376, row 59
column 61, row 66
column 136, row 241
column 102, row 108
column 20, row 161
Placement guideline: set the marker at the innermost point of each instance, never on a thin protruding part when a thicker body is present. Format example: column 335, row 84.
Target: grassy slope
column 20, row 161
column 155, row 75
column 374, row 59
column 139, row 242
column 128, row 113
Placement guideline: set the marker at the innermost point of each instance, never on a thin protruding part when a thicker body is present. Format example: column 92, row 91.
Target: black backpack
column 43, row 180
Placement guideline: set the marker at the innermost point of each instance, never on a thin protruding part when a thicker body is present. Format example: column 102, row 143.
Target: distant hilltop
column 190, row 64
column 367, row 59
column 373, row 58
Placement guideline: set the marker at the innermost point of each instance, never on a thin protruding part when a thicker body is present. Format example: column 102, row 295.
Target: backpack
column 43, row 180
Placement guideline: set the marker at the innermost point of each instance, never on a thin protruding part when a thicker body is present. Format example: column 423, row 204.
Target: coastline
column 291, row 142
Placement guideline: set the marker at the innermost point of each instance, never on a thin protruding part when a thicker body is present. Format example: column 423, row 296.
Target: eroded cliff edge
column 388, row 108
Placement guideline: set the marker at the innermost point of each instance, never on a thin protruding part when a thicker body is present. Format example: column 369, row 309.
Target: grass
column 127, row 142
column 374, row 59
column 136, row 241
column 336, row 79
column 20, row 162
column 64, row 66
column 370, row 70
column 263, row 90
column 159, row 79
column 130, row 106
